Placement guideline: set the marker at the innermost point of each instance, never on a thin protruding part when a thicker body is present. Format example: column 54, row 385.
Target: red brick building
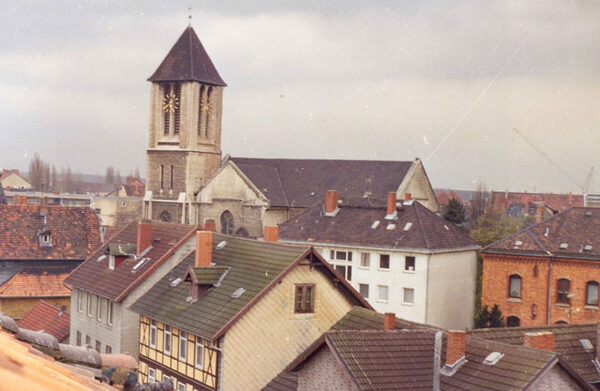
column 548, row 273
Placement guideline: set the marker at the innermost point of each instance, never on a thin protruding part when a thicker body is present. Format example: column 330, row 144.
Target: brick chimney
column 407, row 196
column 210, row 225
column 540, row 340
column 391, row 204
column 204, row 241
column 144, row 236
column 456, row 346
column 331, row 201
column 389, row 321
column 539, row 212
column 271, row 233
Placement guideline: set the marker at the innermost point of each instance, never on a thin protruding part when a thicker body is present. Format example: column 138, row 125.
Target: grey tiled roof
column 187, row 61
column 359, row 318
column 304, row 182
column 416, row 227
column 576, row 227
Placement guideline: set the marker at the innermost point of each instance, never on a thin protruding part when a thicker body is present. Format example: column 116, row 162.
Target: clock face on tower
column 170, row 102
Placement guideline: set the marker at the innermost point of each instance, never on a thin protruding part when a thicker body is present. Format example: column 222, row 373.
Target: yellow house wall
column 271, row 335
column 17, row 308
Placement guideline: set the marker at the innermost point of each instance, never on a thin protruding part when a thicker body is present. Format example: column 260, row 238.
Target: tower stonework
column 184, row 143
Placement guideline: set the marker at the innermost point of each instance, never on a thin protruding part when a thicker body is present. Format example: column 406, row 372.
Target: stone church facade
column 188, row 181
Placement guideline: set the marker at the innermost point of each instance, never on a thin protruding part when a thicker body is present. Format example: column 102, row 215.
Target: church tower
column 184, row 145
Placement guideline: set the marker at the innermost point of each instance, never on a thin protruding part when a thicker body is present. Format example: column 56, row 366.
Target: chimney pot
column 331, row 201
column 271, row 233
column 456, row 346
column 540, row 340
column 391, row 203
column 389, row 321
column 204, row 240
column 210, row 225
column 144, row 237
column 407, row 196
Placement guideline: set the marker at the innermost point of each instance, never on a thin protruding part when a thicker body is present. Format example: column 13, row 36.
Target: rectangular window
column 98, row 346
column 153, row 333
column 99, row 309
column 345, row 271
column 409, row 264
column 109, row 312
column 409, row 296
column 182, row 345
column 340, row 255
column 108, row 349
column 382, row 292
column 162, row 176
column 88, row 340
column 364, row 290
column 384, row 261
column 564, row 286
column 151, row 375
column 180, row 386
column 199, row 360
column 365, row 260
column 78, row 343
column 171, row 177
column 167, row 340
column 89, row 304
column 79, row 301
column 304, row 298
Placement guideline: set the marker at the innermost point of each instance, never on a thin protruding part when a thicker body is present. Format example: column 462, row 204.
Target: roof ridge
column 421, row 224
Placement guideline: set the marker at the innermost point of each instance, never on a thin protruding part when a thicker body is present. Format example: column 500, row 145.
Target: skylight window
column 375, row 224
column 407, row 226
column 447, row 229
column 139, row 265
column 518, row 243
column 101, row 258
column 221, row 245
column 493, row 358
column 587, row 345
column 390, row 227
column 564, row 245
column 238, row 292
column 176, row 281
column 587, row 247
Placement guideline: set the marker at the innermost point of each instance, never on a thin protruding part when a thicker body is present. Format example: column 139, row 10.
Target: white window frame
column 183, row 340
column 153, row 330
column 404, row 296
column 151, row 375
column 110, row 310
column 89, row 304
column 379, row 299
column 180, row 385
column 199, row 345
column 79, row 300
column 99, row 309
column 364, row 256
column 168, row 331
column 345, row 262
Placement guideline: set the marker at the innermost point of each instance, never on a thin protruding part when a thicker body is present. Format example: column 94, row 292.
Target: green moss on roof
column 208, row 275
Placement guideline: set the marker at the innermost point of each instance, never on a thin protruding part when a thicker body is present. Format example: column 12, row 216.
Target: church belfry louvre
column 184, row 145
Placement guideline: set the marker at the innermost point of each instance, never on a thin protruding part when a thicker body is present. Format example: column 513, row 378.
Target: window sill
column 365, row 267
column 591, row 307
column 381, row 301
column 408, row 304
column 383, row 270
column 514, row 300
column 408, row 271
column 564, row 305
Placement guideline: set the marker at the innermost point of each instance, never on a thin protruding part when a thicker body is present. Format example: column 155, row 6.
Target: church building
column 189, row 182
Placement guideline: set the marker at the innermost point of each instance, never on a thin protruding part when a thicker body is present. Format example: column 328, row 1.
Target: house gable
column 417, row 184
column 229, row 183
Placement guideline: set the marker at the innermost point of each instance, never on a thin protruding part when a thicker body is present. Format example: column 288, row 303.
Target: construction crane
column 586, row 184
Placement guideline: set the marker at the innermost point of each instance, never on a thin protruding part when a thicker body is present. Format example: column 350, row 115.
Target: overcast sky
column 445, row 81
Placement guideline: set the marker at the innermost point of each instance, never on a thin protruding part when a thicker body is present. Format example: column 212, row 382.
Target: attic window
column 493, row 358
column 45, row 239
column 375, row 224
column 221, row 245
column 518, row 243
column 587, row 345
column 238, row 292
column 101, row 258
column 564, row 245
column 407, row 226
column 176, row 281
column 390, row 227
column 587, row 247
column 139, row 265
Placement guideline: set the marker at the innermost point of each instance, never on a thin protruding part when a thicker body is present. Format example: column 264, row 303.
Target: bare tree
column 136, row 175
column 118, row 179
column 36, row 172
column 479, row 202
column 110, row 175
column 53, row 179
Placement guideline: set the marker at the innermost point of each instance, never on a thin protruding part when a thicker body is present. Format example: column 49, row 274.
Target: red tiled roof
column 6, row 173
column 94, row 276
column 75, row 232
column 576, row 228
column 49, row 318
column 134, row 187
column 415, row 227
column 37, row 281
column 500, row 200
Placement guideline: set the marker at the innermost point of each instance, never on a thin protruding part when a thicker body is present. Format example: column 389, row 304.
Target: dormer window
column 45, row 238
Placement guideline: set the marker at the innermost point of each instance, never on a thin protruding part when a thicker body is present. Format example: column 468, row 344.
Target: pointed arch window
column 208, row 109
column 227, row 225
column 591, row 297
column 201, row 105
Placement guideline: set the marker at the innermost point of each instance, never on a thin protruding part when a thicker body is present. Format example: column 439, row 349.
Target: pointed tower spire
column 188, row 61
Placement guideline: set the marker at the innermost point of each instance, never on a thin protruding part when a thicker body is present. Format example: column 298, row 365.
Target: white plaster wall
column 451, row 289
column 228, row 184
